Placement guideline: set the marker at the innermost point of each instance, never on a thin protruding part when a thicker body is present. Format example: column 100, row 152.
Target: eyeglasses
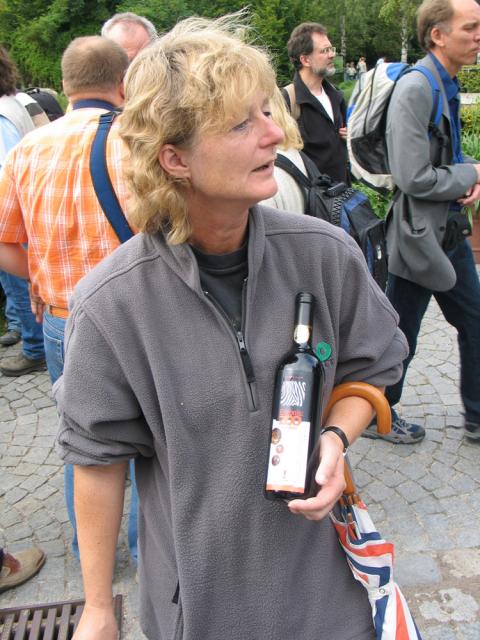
column 327, row 50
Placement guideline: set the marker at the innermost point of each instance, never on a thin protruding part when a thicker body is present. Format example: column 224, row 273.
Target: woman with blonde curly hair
column 171, row 351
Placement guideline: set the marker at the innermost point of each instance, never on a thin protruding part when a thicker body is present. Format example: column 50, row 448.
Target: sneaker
column 472, row 430
column 20, row 364
column 402, row 432
column 21, row 567
column 11, row 337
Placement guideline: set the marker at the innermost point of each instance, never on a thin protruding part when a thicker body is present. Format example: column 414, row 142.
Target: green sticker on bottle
column 324, row 351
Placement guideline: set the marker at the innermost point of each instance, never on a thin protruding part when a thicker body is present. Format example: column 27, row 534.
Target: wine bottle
column 296, row 412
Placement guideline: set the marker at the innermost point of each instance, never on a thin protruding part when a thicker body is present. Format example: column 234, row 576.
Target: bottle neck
column 302, row 335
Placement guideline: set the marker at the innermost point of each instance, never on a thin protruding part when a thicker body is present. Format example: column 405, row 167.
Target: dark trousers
column 461, row 308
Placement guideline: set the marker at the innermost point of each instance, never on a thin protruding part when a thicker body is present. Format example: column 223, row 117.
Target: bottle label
column 288, row 456
column 301, row 334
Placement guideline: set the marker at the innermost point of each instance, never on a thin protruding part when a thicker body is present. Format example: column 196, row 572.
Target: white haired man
column 130, row 31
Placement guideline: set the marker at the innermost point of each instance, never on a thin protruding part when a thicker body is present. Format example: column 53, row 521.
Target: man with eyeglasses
column 317, row 105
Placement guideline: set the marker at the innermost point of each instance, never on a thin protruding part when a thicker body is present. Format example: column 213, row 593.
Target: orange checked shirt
column 47, row 200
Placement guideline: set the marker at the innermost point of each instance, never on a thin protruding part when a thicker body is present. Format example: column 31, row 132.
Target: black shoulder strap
column 101, row 180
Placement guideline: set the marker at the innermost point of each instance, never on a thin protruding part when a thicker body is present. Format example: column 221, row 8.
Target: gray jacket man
column 434, row 182
column 427, row 181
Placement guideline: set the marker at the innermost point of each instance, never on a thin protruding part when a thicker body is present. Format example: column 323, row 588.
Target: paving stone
column 37, row 455
column 29, row 505
column 11, row 396
column 463, row 484
column 451, row 605
column 30, row 409
column 469, row 538
column 42, row 402
column 412, row 491
column 437, row 632
column 416, row 570
column 14, row 495
column 17, row 532
column 427, row 506
column 429, row 482
column 47, row 533
column 42, row 441
column 33, row 394
column 33, row 482
column 24, row 439
column 28, row 420
column 6, row 414
column 435, row 422
column 412, row 470
column 10, row 517
column 11, row 461
column 54, row 459
column 26, row 469
column 47, row 470
column 444, row 492
column 445, row 458
column 45, row 491
column 471, row 469
column 379, row 492
column 21, row 402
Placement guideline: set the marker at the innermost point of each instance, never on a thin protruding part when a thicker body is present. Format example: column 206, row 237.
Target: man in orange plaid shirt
column 47, row 200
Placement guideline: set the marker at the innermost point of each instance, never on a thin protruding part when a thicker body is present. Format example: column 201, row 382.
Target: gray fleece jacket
column 153, row 370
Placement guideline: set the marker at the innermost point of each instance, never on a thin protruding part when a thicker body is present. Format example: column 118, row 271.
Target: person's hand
column 471, row 197
column 37, row 304
column 342, row 132
column 96, row 623
column 329, row 477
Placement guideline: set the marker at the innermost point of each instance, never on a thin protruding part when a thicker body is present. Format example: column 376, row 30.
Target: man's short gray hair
column 431, row 14
column 130, row 18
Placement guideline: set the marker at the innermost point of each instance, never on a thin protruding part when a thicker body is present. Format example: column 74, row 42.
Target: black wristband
column 341, row 434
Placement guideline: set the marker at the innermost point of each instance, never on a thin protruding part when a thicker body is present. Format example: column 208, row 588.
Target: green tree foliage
column 37, row 31
column 399, row 16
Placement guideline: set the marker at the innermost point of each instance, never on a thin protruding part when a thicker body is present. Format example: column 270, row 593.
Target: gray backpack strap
column 289, row 91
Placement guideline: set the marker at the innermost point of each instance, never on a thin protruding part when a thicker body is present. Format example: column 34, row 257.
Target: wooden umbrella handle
column 378, row 401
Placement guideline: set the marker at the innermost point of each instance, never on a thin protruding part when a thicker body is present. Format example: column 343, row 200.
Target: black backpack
column 344, row 207
column 47, row 101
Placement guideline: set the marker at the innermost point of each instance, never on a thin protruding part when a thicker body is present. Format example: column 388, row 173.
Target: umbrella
column 369, row 556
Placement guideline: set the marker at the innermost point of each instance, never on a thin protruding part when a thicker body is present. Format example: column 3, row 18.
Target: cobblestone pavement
column 423, row 497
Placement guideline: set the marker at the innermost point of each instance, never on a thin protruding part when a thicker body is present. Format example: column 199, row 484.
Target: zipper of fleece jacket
column 245, row 359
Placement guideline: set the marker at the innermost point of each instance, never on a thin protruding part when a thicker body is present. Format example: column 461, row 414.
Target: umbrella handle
column 378, row 401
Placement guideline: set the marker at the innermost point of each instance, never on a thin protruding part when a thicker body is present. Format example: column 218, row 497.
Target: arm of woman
column 352, row 415
column 99, row 492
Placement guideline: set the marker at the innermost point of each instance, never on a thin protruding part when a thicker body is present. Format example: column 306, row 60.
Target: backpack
column 344, row 207
column 367, row 120
column 35, row 111
column 47, row 101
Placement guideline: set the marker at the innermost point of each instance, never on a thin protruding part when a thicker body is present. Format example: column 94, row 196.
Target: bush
column 379, row 202
column 469, row 79
column 471, row 145
column 346, row 88
column 471, row 118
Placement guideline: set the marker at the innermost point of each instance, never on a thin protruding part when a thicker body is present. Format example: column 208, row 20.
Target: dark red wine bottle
column 296, row 412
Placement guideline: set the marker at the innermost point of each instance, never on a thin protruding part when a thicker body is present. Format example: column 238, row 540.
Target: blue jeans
column 54, row 332
column 461, row 308
column 20, row 317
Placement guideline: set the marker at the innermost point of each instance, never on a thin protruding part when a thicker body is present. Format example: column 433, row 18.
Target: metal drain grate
column 52, row 621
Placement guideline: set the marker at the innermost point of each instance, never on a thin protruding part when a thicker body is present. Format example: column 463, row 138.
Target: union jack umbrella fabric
column 369, row 556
